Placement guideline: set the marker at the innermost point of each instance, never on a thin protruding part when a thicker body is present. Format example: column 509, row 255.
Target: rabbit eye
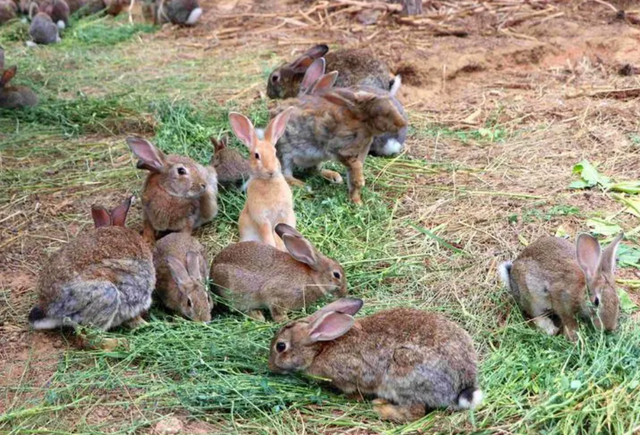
column 257, row 156
column 281, row 346
column 337, row 275
column 596, row 301
column 189, row 302
column 275, row 78
column 182, row 171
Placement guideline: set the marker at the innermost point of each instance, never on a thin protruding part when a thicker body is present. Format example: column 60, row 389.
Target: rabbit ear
column 300, row 65
column 119, row 214
column 101, row 217
column 219, row 145
column 193, row 266
column 341, row 97
column 330, row 326
column 277, row 126
column 150, row 157
column 243, row 129
column 348, row 306
column 313, row 74
column 8, row 75
column 326, row 82
column 301, row 249
column 588, row 255
column 178, row 271
column 608, row 260
column 283, row 228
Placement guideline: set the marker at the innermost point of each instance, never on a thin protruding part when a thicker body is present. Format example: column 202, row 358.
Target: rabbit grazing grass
column 552, row 277
column 229, row 164
column 13, row 97
column 269, row 198
column 181, row 276
column 292, row 281
column 102, row 278
column 411, row 360
column 178, row 195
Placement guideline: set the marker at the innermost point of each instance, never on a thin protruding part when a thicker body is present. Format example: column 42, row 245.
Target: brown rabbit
column 42, row 29
column 269, row 198
column 8, row 11
column 58, row 10
column 552, row 277
column 292, row 280
column 102, row 278
column 229, row 164
column 338, row 124
column 411, row 360
column 355, row 67
column 179, row 194
column 13, row 97
column 181, row 276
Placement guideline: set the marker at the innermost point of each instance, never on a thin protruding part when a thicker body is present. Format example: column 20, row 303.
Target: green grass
column 72, row 147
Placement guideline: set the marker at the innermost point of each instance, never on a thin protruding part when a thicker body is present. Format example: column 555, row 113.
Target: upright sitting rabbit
column 181, row 276
column 411, row 360
column 553, row 276
column 269, row 199
column 13, row 97
column 179, row 194
column 102, row 278
column 355, row 67
column 229, row 164
column 337, row 124
column 291, row 281
column 42, row 30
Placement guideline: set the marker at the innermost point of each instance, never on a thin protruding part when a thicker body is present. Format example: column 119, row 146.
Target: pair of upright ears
column 116, row 217
column 246, row 132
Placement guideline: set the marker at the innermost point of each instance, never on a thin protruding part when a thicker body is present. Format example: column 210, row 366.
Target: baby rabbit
column 355, row 66
column 338, row 124
column 181, row 276
column 269, row 198
column 178, row 195
column 8, row 11
column 552, row 277
column 42, row 30
column 292, row 280
column 13, row 97
column 58, row 10
column 229, row 164
column 102, row 278
column 181, row 12
column 412, row 360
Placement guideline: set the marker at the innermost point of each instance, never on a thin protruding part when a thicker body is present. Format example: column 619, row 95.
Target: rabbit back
column 17, row 97
column 43, row 30
column 102, row 278
column 358, row 67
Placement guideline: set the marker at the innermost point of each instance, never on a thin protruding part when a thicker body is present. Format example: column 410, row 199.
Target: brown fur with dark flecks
column 231, row 166
column 8, row 10
column 354, row 66
column 411, row 360
column 13, row 97
column 181, row 276
column 269, row 198
column 178, row 195
column 339, row 125
column 553, row 276
column 253, row 276
column 103, row 277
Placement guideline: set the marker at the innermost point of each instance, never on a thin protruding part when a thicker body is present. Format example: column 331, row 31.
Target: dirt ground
column 540, row 73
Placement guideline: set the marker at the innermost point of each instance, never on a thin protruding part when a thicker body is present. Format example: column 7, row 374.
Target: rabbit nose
column 202, row 185
column 596, row 301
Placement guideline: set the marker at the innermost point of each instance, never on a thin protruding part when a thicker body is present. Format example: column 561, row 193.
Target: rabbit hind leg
column 398, row 413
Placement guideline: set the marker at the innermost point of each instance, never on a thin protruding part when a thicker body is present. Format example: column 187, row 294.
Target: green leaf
column 590, row 174
column 626, row 304
column 579, row 184
column 603, row 227
column 628, row 256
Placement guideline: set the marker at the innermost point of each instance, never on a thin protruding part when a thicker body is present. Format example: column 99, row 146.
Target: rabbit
column 229, row 164
column 269, row 198
column 411, row 360
column 337, row 124
column 355, row 66
column 8, row 11
column 181, row 12
column 181, row 276
column 292, row 281
column 13, row 97
column 42, row 30
column 58, row 10
column 178, row 195
column 315, row 82
column 552, row 277
column 102, row 278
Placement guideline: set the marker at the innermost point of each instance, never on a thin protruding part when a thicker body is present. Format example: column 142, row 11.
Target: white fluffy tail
column 194, row 16
column 395, row 87
column 61, row 25
column 504, row 270
column 391, row 147
column 470, row 398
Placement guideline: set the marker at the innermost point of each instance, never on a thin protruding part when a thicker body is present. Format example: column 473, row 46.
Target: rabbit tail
column 470, row 398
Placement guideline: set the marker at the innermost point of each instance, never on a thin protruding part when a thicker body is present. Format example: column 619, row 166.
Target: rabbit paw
column 331, row 176
column 294, row 182
column 397, row 413
column 256, row 315
column 136, row 322
column 546, row 324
